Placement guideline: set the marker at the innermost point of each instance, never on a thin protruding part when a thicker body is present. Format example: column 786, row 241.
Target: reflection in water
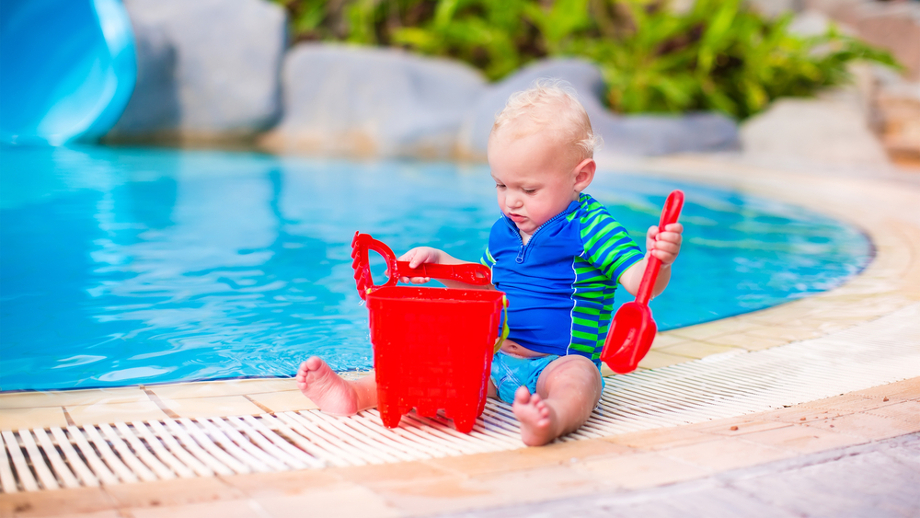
column 123, row 266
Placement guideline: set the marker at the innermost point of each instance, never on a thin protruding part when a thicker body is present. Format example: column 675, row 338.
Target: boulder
column 639, row 135
column 206, row 69
column 363, row 101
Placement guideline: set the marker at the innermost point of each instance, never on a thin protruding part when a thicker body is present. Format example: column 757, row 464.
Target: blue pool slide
column 67, row 69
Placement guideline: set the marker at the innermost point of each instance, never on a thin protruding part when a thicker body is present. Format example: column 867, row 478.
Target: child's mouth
column 517, row 218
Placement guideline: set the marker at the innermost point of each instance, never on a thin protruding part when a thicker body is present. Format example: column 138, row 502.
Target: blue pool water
column 139, row 266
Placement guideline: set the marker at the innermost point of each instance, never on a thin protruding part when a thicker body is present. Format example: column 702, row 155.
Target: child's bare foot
column 536, row 418
column 324, row 387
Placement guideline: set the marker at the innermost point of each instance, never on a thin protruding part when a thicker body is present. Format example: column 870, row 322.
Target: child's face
column 535, row 178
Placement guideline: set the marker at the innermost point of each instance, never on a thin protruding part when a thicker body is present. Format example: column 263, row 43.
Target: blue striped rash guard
column 560, row 285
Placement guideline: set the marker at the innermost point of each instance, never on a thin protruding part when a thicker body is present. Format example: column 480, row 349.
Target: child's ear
column 584, row 174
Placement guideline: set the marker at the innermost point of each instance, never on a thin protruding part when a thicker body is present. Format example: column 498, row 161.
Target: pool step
column 715, row 387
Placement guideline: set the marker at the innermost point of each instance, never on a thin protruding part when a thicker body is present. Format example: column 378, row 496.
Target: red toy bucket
column 433, row 347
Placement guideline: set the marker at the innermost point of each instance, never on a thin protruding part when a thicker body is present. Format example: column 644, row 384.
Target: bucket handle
column 505, row 328
column 469, row 273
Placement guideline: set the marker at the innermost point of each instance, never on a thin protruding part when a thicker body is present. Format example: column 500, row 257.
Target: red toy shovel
column 632, row 330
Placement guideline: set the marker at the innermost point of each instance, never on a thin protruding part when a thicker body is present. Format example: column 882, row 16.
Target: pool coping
column 890, row 281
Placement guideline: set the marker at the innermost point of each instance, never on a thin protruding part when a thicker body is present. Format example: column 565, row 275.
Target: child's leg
column 567, row 392
column 332, row 394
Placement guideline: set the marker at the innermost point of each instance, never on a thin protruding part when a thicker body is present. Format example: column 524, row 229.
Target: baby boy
column 556, row 253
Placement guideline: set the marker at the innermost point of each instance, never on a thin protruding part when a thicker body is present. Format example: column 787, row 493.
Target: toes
column 522, row 395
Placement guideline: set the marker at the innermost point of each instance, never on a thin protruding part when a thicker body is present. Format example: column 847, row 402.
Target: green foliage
column 718, row 56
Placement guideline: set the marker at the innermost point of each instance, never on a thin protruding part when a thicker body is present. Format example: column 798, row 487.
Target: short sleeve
column 607, row 245
column 487, row 259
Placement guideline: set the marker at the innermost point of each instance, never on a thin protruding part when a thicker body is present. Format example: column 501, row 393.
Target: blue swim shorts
column 510, row 372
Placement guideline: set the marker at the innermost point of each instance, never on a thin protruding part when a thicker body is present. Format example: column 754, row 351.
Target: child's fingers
column 674, row 227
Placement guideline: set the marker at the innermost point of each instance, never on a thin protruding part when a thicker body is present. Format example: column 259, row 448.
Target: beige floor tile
column 396, row 473
column 748, row 342
column 799, row 414
column 222, row 388
column 866, row 426
column 220, row 508
column 908, row 411
column 698, row 350
column 727, row 453
column 665, row 339
column 212, row 406
column 172, row 492
column 341, row 501
column 712, row 329
column 16, row 418
column 640, row 470
column 285, row 401
column 848, row 403
column 61, row 502
column 284, row 482
column 524, row 458
column 802, row 439
column 658, row 359
column 116, row 412
column 493, row 489
column 902, row 390
column 661, row 438
column 788, row 333
column 740, row 426
column 72, row 397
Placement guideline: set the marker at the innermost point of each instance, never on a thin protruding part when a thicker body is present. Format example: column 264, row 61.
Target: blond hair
column 549, row 105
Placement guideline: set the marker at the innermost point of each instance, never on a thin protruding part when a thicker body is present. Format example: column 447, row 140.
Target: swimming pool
column 126, row 266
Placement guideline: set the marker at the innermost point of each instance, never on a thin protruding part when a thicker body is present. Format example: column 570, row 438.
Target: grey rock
column 639, row 135
column 374, row 102
column 208, row 68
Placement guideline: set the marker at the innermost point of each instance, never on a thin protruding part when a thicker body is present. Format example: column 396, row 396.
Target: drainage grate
column 719, row 386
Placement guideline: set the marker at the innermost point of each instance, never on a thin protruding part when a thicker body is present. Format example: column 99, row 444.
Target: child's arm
column 426, row 254
column 663, row 245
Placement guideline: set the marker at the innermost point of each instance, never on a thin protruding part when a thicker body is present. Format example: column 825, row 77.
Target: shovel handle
column 669, row 215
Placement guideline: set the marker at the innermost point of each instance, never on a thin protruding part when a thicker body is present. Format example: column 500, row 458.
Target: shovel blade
column 631, row 334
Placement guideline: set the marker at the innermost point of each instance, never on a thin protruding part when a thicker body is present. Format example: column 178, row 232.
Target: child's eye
column 529, row 191
column 499, row 186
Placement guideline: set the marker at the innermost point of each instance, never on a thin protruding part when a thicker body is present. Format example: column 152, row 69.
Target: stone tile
column 490, row 490
column 284, row 482
column 798, row 415
column 341, row 501
column 71, row 397
column 222, row 388
column 212, row 406
column 285, row 401
column 16, row 418
column 908, row 412
column 553, row 454
column 748, row 342
column 902, row 390
column 726, row 453
column 785, row 332
column 172, row 492
column 658, row 359
column 740, row 426
column 802, row 439
column 665, row 339
column 396, row 473
column 115, row 412
column 846, row 403
column 641, row 470
column 866, row 426
column 61, row 502
column 661, row 438
column 697, row 350
column 221, row 508
column 713, row 329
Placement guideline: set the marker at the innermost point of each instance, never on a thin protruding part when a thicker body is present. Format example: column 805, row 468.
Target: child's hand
column 665, row 245
column 418, row 256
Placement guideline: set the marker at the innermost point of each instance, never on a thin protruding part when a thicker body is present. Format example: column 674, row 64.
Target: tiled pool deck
column 888, row 211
